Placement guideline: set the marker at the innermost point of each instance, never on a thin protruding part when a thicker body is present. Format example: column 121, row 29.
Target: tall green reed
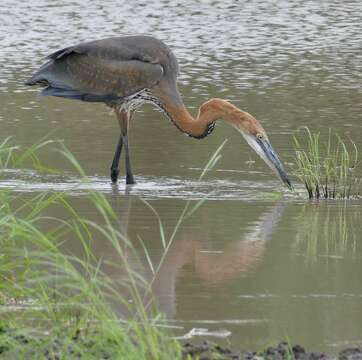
column 327, row 169
column 75, row 295
column 72, row 295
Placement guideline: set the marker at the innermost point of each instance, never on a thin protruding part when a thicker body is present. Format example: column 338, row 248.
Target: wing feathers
column 77, row 95
column 66, row 51
column 74, row 75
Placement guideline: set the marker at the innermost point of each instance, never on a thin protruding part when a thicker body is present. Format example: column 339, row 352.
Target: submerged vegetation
column 327, row 168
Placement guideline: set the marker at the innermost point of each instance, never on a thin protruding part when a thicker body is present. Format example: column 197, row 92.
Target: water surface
column 249, row 265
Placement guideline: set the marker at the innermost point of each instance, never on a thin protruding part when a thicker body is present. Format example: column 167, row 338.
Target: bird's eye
column 259, row 136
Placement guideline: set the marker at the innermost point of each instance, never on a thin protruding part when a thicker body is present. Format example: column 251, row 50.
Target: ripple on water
column 270, row 39
column 146, row 187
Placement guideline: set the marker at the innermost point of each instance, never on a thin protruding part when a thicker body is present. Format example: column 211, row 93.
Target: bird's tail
column 40, row 76
column 32, row 81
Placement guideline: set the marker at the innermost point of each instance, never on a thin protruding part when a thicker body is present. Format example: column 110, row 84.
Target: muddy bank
column 207, row 351
column 14, row 344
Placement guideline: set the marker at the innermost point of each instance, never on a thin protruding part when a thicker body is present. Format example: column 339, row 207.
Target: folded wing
column 87, row 73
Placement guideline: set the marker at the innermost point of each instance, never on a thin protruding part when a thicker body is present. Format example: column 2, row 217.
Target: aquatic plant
column 327, row 169
column 69, row 304
column 68, row 299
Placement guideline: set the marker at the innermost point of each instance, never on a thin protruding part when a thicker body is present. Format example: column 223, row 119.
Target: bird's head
column 216, row 109
column 258, row 140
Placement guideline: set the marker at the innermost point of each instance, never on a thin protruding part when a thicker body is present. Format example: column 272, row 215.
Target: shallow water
column 254, row 263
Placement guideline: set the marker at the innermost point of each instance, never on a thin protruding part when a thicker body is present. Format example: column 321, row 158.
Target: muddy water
column 246, row 265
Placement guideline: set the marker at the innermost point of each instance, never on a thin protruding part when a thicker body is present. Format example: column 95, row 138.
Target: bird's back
column 107, row 69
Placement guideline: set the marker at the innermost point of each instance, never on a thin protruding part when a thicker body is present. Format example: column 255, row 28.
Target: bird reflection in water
column 190, row 248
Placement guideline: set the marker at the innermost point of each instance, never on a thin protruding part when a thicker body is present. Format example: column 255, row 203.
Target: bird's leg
column 115, row 162
column 124, row 119
column 129, row 175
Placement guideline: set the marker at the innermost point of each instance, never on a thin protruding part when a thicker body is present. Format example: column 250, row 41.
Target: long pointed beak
column 264, row 149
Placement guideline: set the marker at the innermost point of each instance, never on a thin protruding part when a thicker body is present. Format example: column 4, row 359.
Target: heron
column 127, row 71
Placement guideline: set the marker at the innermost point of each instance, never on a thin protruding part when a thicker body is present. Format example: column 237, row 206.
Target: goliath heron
column 126, row 72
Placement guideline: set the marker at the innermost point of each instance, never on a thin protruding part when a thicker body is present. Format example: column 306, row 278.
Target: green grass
column 70, row 296
column 327, row 168
column 72, row 299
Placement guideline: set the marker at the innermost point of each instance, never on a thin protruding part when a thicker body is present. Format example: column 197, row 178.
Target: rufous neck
column 208, row 114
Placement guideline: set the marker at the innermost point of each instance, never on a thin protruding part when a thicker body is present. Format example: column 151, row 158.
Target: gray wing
column 93, row 72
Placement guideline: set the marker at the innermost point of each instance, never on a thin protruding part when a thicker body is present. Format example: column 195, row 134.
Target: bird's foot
column 114, row 175
column 130, row 179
